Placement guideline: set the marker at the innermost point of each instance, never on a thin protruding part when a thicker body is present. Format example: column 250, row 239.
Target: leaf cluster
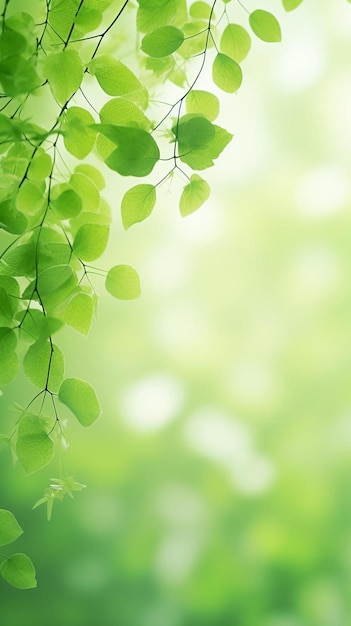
column 54, row 218
column 17, row 570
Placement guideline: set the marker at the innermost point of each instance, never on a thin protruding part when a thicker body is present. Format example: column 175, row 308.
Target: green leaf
column 202, row 158
column 92, row 173
column 265, row 26
column 9, row 360
column 64, row 72
column 63, row 14
column 122, row 281
column 123, row 113
column 9, row 527
column 87, row 190
column 116, row 79
column 195, row 39
column 290, row 5
column 11, row 287
column 12, row 43
column 88, row 19
column 200, row 10
column 151, row 16
column 53, row 254
column 40, row 167
column 235, row 42
column 44, row 365
column 30, row 198
column 20, row 260
column 202, row 103
column 12, row 220
column 32, row 424
column 19, row 572
column 78, row 136
column 193, row 131
column 6, row 308
column 34, row 451
column 162, row 41
column 81, row 399
column 18, row 75
column 79, row 313
column 90, row 241
column 137, row 151
column 68, row 203
column 137, row 204
column 226, row 73
column 194, row 195
column 55, row 284
column 36, row 325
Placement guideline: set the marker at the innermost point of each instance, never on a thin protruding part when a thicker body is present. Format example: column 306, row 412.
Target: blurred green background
column 218, row 478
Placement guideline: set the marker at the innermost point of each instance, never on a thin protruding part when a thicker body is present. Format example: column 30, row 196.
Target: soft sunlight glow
column 314, row 273
column 176, row 556
column 229, row 443
column 152, row 402
column 253, row 383
column 299, row 65
column 323, row 191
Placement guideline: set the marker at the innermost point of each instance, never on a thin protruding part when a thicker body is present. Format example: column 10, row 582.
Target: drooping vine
column 59, row 60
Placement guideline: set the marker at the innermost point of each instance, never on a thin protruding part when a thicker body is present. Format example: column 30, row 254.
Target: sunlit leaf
column 79, row 312
column 34, row 451
column 200, row 9
column 203, row 157
column 30, row 198
column 9, row 527
column 162, row 41
column 78, row 136
column 194, row 194
column 55, row 284
column 90, row 241
column 68, row 203
column 202, row 103
column 19, row 571
column 86, row 190
column 123, row 282
column 235, row 42
column 116, row 79
column 123, row 113
column 40, row 167
column 93, row 173
column 137, row 151
column 137, row 204
column 9, row 362
column 20, row 260
column 64, row 71
column 226, row 73
column 151, row 16
column 265, row 26
column 193, row 131
column 290, row 5
column 81, row 399
column 44, row 365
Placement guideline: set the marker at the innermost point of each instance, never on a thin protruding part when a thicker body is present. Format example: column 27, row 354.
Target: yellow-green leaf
column 193, row 195
column 265, row 26
column 122, row 281
column 226, row 73
column 137, row 204
column 64, row 72
column 9, row 527
column 81, row 399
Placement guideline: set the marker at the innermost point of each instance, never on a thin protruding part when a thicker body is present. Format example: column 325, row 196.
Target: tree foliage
column 59, row 59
